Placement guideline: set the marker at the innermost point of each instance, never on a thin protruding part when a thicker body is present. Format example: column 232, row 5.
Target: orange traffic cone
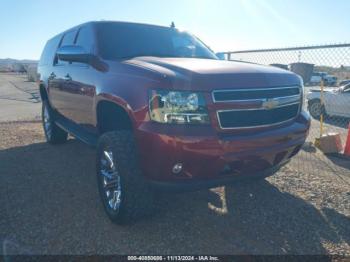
column 347, row 145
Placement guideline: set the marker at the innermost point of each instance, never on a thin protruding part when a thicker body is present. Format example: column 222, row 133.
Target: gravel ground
column 19, row 99
column 50, row 205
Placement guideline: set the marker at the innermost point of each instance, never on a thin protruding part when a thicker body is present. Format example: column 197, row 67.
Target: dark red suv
column 164, row 112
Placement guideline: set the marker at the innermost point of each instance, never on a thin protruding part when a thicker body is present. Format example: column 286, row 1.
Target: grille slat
column 256, row 118
column 250, row 94
column 272, row 106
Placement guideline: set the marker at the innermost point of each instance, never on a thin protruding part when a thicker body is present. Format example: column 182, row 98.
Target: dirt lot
column 19, row 99
column 50, row 205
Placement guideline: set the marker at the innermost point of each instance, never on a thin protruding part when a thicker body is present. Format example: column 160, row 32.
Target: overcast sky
column 223, row 24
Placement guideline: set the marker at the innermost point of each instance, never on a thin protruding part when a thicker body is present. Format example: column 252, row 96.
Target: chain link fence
column 326, row 74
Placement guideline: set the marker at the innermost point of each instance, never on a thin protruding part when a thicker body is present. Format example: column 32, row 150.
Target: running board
column 77, row 131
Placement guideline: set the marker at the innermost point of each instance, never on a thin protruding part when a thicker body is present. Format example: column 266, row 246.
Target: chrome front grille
column 251, row 108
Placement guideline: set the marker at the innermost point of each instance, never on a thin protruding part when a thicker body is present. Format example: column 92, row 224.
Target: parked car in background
column 330, row 80
column 344, row 82
column 317, row 77
column 164, row 112
column 336, row 102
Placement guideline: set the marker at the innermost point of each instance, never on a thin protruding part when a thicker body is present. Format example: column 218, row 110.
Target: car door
column 80, row 87
column 47, row 59
column 59, row 97
column 343, row 105
column 330, row 102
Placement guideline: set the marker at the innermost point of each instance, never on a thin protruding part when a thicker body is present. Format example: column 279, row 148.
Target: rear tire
column 125, row 194
column 53, row 133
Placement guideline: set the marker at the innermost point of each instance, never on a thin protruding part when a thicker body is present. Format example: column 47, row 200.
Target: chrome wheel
column 315, row 109
column 47, row 122
column 110, row 180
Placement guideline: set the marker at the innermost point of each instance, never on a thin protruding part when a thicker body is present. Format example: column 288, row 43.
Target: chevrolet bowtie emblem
column 270, row 104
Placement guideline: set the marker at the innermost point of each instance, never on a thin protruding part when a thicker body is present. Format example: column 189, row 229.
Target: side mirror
column 221, row 56
column 73, row 53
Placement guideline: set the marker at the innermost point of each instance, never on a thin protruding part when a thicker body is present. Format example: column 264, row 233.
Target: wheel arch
column 313, row 100
column 112, row 116
column 43, row 92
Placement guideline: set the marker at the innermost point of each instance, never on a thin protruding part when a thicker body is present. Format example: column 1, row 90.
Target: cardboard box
column 330, row 143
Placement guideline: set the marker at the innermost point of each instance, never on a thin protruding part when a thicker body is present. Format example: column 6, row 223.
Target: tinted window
column 49, row 52
column 85, row 38
column 68, row 39
column 117, row 41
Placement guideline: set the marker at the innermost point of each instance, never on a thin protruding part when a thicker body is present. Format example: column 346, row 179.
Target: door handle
column 67, row 77
column 52, row 75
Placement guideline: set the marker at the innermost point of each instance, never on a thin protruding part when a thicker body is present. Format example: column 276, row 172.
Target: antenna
column 172, row 25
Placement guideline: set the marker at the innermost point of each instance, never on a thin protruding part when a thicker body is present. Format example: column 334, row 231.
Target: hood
column 208, row 74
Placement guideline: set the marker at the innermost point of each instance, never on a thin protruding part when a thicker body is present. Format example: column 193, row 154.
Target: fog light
column 177, row 168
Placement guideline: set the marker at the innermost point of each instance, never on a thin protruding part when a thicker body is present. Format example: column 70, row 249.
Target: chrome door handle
column 52, row 75
column 67, row 77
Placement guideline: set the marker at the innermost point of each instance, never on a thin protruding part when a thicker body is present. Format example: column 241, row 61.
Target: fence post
column 322, row 106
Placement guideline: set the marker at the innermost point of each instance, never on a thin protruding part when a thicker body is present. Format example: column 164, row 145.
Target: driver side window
column 85, row 39
column 68, row 39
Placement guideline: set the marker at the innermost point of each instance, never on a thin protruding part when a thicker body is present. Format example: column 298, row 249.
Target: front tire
column 53, row 133
column 125, row 194
column 316, row 109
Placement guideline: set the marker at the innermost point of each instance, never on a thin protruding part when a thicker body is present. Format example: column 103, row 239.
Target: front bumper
column 193, row 185
column 209, row 157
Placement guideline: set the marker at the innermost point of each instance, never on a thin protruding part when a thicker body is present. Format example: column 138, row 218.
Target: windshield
column 120, row 41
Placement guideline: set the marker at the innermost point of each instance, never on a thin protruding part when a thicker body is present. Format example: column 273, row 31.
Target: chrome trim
column 111, row 183
column 248, row 89
column 259, row 126
column 256, row 100
column 187, row 115
column 281, row 101
column 256, row 109
column 252, row 109
column 289, row 100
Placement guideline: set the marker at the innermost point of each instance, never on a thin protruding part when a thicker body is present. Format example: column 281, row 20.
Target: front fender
column 117, row 101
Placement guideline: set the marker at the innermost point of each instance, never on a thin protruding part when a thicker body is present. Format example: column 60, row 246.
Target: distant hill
column 15, row 65
column 9, row 61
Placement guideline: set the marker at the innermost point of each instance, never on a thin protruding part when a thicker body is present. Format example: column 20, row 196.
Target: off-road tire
column 136, row 195
column 57, row 135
